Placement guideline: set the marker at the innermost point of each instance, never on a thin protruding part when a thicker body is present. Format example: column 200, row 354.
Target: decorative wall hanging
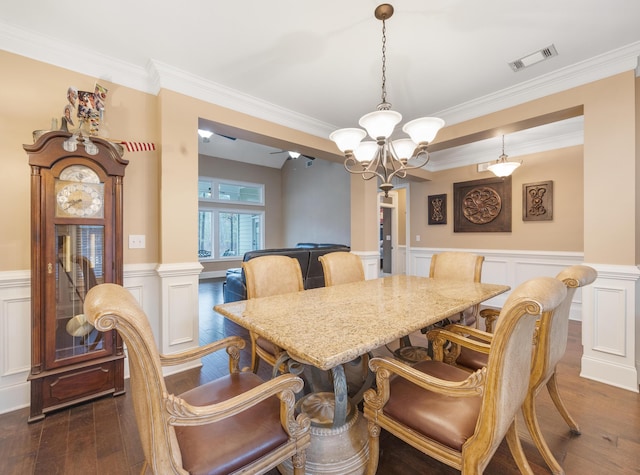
column 537, row 201
column 437, row 208
column 83, row 116
column 482, row 205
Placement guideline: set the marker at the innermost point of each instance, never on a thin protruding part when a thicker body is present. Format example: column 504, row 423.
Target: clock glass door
column 79, row 266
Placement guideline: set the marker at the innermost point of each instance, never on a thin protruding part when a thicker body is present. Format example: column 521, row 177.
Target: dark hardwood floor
column 101, row 437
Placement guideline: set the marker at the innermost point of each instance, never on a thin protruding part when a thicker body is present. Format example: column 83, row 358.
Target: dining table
column 327, row 327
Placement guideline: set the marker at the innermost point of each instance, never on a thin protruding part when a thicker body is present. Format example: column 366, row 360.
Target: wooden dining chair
column 550, row 345
column 341, row 268
column 449, row 265
column 267, row 276
column 454, row 416
column 457, row 265
column 235, row 424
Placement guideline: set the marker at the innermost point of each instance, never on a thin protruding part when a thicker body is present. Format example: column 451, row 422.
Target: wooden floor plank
column 101, row 436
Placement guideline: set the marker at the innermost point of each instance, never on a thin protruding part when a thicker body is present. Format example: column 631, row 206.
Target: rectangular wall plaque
column 481, row 206
column 537, row 201
column 437, row 209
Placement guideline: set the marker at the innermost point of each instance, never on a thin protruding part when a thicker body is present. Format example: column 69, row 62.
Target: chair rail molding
column 507, row 267
column 609, row 308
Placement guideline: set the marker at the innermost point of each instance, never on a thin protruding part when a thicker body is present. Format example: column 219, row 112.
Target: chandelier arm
column 366, row 172
column 413, row 167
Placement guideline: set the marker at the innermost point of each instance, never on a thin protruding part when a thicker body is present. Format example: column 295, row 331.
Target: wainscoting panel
column 508, row 267
column 15, row 327
column 370, row 263
column 608, row 335
column 611, row 327
column 179, row 290
column 15, row 339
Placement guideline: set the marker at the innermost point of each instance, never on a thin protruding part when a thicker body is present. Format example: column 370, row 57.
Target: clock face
column 79, row 200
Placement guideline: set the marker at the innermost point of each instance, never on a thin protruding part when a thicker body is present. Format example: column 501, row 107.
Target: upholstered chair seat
column 457, row 417
column 238, row 439
column 470, row 348
column 234, row 424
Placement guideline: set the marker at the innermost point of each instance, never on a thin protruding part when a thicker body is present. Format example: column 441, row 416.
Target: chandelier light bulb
column 366, row 151
column 424, row 129
column 404, row 148
column 347, row 139
column 380, row 124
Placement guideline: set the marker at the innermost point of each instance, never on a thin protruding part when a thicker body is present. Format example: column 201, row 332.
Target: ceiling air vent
column 533, row 58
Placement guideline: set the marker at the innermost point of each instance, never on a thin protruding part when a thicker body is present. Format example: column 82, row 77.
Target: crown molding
column 73, row 57
column 520, row 144
column 600, row 67
column 157, row 75
column 174, row 79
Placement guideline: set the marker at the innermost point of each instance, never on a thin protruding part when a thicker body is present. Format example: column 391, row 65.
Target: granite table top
column 329, row 326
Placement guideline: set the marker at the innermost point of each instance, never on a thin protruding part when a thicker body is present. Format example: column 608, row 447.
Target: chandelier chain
column 384, row 64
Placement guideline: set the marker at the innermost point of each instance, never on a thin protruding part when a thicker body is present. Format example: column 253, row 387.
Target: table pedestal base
column 342, row 450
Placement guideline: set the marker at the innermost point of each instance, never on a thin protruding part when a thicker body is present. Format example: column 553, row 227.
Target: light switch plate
column 136, row 241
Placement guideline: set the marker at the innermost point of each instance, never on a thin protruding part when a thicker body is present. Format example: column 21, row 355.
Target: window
column 205, row 233
column 224, row 232
column 239, row 233
column 216, row 190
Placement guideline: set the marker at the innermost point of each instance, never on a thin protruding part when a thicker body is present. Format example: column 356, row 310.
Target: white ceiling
column 316, row 65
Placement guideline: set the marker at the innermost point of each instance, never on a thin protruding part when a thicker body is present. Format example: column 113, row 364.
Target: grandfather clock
column 76, row 243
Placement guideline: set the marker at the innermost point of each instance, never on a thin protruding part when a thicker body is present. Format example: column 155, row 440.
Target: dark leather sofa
column 235, row 287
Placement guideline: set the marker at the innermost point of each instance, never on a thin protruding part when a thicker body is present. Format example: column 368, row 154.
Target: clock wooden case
column 76, row 243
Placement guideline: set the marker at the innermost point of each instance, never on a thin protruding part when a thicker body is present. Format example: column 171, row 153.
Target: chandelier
column 382, row 157
column 502, row 167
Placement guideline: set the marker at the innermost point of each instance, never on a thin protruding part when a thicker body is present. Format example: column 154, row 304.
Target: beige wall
column 610, row 130
column 158, row 202
column 31, row 95
column 563, row 233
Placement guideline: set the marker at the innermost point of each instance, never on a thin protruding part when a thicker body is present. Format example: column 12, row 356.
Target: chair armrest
column 232, row 344
column 458, row 337
column 284, row 386
column 490, row 315
column 468, row 331
column 385, row 368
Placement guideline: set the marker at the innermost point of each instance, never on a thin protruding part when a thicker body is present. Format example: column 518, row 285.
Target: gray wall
column 316, row 202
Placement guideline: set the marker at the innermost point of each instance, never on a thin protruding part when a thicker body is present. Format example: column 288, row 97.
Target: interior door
column 387, row 240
